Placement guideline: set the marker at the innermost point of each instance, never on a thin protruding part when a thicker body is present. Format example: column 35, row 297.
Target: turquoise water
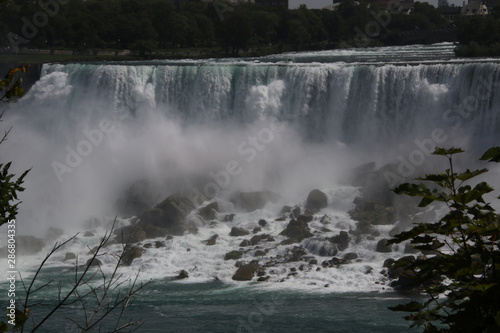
column 167, row 306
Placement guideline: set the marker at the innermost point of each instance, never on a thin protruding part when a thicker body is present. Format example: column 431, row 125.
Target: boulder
column 130, row 254
column 182, row 275
column 351, row 256
column 316, row 200
column 245, row 242
column 342, row 240
column 296, row 231
column 305, row 218
column 238, row 232
column 170, row 214
column 257, row 238
column 296, row 253
column 233, row 255
column 26, row 245
column 209, row 212
column 256, row 230
column 152, row 231
column 262, row 223
column 130, row 234
column 383, row 247
column 246, row 272
column 250, row 201
column 259, row 253
column 228, row 218
column 211, row 240
column 93, row 262
column 321, row 247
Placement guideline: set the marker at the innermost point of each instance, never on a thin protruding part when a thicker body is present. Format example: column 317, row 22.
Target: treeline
column 149, row 25
column 479, row 36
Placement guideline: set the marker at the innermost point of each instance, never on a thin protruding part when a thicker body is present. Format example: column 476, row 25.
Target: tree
column 461, row 277
column 10, row 91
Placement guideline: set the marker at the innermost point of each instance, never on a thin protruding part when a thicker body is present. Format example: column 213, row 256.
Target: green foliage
column 9, row 187
column 120, row 24
column 10, row 91
column 10, row 86
column 461, row 277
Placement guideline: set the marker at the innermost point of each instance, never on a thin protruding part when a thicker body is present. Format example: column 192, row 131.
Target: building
column 474, row 7
column 442, row 3
column 272, row 3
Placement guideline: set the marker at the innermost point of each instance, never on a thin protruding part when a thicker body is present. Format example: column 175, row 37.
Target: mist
column 89, row 132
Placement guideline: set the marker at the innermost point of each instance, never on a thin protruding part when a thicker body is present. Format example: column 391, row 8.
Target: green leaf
column 492, row 155
column 3, row 327
column 447, row 152
column 408, row 307
column 469, row 174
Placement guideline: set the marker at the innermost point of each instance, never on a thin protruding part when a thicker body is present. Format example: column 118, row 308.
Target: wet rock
column 228, row 218
column 233, row 255
column 407, row 280
column 285, row 210
column 321, row 247
column 262, row 223
column 246, row 272
column 316, row 200
column 256, row 230
column 325, row 219
column 88, row 234
column 28, row 244
column 263, row 278
column 313, row 262
column 245, row 242
column 209, row 212
column 130, row 254
column 170, row 214
column 212, row 240
column 342, row 240
column 182, row 275
column 351, row 256
column 259, row 253
column 93, row 262
column 297, row 230
column 250, row 201
column 69, row 256
column 389, row 262
column 296, row 253
column 383, row 247
column 305, row 218
column 159, row 244
column 193, row 230
column 257, row 238
column 130, row 234
column 236, row 232
column 152, row 231
column 409, row 249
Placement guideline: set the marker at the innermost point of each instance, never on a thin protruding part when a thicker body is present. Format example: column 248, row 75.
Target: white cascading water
column 91, row 130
